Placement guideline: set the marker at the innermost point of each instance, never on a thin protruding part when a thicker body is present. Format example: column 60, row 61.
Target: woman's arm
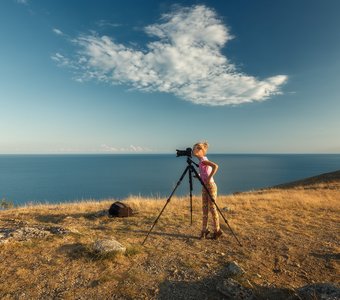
column 213, row 166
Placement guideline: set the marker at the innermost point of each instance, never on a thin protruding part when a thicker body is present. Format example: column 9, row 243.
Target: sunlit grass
column 293, row 226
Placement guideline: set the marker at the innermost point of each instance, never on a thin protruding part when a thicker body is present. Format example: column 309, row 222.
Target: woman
column 207, row 170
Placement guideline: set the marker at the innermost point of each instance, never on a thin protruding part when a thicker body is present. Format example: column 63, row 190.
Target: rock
column 4, row 234
column 29, row 232
column 226, row 209
column 26, row 233
column 101, row 213
column 234, row 270
column 233, row 290
column 58, row 230
column 322, row 291
column 106, row 246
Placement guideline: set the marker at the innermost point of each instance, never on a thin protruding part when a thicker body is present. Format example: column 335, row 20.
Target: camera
column 186, row 152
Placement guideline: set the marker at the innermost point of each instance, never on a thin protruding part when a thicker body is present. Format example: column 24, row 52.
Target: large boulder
column 234, row 290
column 322, row 291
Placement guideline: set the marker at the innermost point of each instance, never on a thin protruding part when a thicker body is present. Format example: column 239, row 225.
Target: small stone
column 234, row 270
column 101, row 213
column 105, row 246
column 248, row 283
column 57, row 230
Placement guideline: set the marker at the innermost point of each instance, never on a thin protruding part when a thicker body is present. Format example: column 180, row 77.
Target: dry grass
column 289, row 237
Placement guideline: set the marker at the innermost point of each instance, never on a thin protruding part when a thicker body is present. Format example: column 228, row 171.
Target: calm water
column 62, row 178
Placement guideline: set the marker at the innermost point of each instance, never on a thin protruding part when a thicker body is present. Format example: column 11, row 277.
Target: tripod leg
column 153, row 225
column 213, row 201
column 167, row 202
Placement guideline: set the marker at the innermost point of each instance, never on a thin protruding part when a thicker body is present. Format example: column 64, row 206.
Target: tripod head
column 190, row 161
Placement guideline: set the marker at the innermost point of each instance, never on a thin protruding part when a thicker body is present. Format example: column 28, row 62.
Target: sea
column 27, row 179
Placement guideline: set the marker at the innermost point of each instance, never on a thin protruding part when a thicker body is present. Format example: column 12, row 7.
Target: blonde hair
column 204, row 146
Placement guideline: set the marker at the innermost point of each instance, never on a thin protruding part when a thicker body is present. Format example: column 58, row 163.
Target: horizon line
column 172, row 153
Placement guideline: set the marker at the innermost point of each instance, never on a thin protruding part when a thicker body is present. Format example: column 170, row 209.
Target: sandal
column 204, row 234
column 217, row 234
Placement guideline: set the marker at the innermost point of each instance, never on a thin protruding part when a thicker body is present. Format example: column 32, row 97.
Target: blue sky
column 153, row 76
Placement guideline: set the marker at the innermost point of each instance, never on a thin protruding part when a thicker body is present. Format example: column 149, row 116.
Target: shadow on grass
column 59, row 218
column 327, row 256
column 207, row 289
column 160, row 233
column 81, row 251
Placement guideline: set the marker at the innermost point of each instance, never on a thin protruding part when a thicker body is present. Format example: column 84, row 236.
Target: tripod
column 191, row 169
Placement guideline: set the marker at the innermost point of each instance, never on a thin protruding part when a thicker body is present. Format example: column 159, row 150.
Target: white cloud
column 107, row 148
column 131, row 148
column 185, row 60
column 57, row 31
column 61, row 60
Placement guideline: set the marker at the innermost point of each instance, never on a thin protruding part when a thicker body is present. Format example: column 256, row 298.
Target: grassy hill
column 326, row 180
column 290, row 237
